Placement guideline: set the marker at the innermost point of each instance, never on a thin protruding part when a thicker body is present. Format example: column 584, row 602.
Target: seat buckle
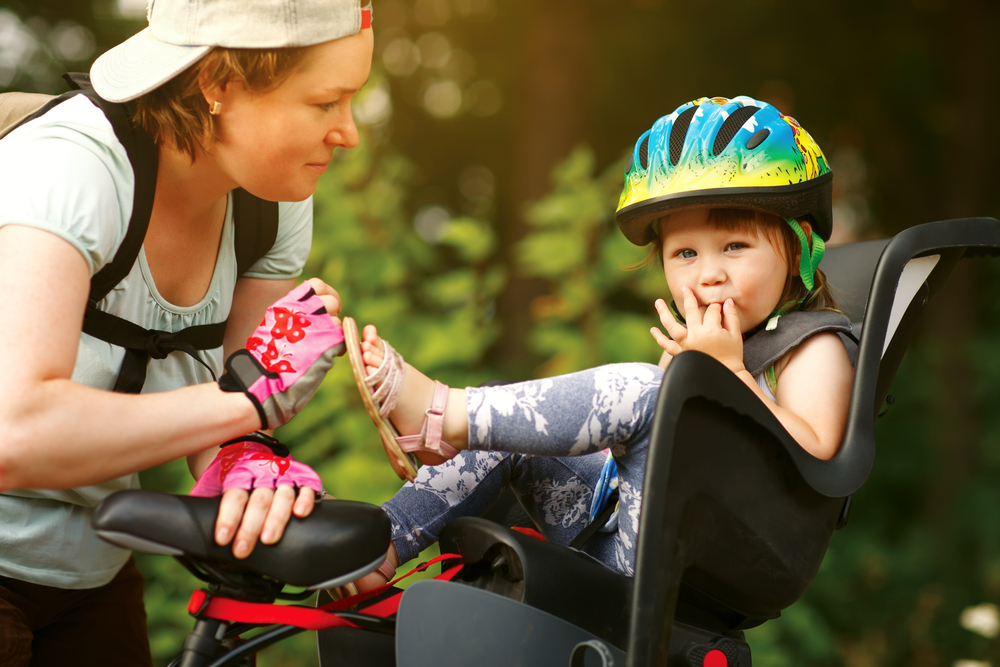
column 200, row 600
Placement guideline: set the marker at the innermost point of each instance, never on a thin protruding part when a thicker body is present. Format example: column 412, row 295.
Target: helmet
column 733, row 153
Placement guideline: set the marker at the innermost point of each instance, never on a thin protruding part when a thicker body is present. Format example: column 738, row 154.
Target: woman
column 235, row 94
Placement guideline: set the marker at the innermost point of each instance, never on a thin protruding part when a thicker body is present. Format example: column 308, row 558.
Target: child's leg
column 580, row 413
column 556, row 492
column 569, row 415
column 467, row 485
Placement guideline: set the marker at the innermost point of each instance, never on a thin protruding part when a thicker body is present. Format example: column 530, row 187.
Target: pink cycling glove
column 287, row 356
column 250, row 465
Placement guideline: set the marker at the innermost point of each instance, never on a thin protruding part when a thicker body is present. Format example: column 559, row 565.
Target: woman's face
column 277, row 144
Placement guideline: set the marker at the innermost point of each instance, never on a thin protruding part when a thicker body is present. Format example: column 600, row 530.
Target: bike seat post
column 204, row 644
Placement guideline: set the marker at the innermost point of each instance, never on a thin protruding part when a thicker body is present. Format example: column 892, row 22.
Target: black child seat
column 736, row 517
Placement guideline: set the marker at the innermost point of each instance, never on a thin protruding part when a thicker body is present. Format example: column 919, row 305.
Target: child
column 735, row 199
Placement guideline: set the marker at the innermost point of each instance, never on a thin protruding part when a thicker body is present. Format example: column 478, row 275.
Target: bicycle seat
column 339, row 542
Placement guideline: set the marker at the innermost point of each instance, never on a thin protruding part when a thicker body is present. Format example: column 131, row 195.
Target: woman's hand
column 262, row 513
column 244, row 516
column 716, row 333
column 288, row 354
column 327, row 295
column 257, row 483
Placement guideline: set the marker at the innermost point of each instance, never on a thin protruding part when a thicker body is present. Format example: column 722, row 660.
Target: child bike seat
column 564, row 583
column 732, row 507
column 339, row 542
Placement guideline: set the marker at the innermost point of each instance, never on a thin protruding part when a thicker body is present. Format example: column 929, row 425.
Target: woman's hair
column 177, row 112
column 782, row 237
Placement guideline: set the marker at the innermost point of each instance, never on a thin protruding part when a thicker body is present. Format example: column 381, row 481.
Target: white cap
column 181, row 32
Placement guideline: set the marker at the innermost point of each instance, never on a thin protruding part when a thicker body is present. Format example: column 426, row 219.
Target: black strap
column 256, row 223
column 277, row 448
column 142, row 344
column 256, row 227
column 609, row 508
column 143, row 155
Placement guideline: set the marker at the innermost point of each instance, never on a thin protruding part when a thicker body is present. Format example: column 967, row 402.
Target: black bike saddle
column 339, row 542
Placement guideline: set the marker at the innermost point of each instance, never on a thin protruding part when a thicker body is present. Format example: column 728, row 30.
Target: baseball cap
column 181, row 32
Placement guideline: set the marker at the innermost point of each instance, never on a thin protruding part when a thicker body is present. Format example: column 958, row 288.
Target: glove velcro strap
column 242, row 370
column 277, row 448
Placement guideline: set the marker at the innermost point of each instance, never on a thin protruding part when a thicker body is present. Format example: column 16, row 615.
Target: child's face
column 718, row 264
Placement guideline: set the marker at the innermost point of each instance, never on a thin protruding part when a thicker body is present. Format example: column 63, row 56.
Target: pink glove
column 250, row 465
column 287, row 356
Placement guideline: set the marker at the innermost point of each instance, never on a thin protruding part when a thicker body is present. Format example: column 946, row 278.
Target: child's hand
column 716, row 333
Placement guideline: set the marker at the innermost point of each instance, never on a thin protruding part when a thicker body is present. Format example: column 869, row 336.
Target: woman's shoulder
column 73, row 137
column 66, row 172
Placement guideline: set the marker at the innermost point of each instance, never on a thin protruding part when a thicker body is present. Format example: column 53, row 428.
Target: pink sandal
column 400, row 449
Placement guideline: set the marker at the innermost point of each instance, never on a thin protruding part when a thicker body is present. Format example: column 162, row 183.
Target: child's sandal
column 429, row 439
column 380, row 402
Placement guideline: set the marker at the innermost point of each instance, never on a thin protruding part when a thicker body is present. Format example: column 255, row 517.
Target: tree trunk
column 550, row 117
column 965, row 170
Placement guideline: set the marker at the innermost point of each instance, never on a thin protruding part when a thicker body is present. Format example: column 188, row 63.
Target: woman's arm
column 55, row 433
column 250, row 299
column 265, row 512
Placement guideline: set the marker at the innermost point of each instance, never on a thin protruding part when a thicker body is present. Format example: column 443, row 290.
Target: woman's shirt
column 67, row 173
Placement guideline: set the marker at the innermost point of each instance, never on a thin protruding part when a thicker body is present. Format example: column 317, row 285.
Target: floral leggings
column 544, row 439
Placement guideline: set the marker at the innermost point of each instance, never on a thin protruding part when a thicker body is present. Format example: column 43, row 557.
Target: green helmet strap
column 676, row 313
column 810, row 258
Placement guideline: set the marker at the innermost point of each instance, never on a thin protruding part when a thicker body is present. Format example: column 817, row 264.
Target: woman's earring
column 216, row 108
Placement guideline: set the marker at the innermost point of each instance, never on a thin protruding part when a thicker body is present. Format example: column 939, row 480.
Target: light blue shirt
column 68, row 174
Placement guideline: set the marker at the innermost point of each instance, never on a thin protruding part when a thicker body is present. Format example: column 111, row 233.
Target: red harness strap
column 203, row 604
column 530, row 532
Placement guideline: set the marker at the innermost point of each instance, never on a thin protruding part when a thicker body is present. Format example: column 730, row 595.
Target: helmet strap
column 676, row 313
column 809, row 259
column 810, row 256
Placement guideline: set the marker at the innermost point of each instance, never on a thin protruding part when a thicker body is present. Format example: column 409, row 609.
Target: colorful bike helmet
column 732, row 153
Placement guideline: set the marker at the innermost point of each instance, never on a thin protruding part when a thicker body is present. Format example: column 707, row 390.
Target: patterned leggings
column 544, row 439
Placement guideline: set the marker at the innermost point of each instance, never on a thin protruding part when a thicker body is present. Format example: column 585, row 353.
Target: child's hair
column 781, row 236
column 177, row 112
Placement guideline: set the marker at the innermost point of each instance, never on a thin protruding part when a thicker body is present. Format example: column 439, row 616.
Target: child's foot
column 380, row 576
column 415, row 396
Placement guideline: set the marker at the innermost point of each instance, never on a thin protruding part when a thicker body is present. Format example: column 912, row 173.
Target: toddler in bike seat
column 734, row 199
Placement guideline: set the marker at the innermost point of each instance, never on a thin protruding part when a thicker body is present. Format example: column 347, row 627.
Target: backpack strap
column 142, row 344
column 256, row 228
column 255, row 220
column 143, row 155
